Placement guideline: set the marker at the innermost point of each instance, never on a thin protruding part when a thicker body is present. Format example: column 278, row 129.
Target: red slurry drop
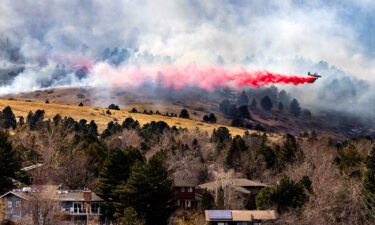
column 206, row 77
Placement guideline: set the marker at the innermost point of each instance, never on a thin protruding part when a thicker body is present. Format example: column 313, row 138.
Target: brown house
column 187, row 194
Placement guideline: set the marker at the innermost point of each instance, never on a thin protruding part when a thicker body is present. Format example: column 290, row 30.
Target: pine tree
column 243, row 112
column 8, row 120
column 184, row 114
column 149, row 190
column 208, row 201
column 115, row 171
column 220, row 199
column 266, row 103
column 10, row 163
column 280, row 106
column 295, row 108
column 254, row 104
column 243, row 99
column 233, row 159
column 212, row 118
column 205, row 118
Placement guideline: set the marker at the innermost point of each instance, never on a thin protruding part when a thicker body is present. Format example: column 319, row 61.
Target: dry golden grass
column 22, row 108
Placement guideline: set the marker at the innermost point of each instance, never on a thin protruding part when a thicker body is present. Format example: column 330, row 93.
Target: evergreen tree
column 149, row 190
column 93, row 128
column 369, row 182
column 243, row 99
column 134, row 110
column 280, row 106
column 250, row 203
column 184, row 114
column 220, row 199
column 254, row 104
column 243, row 112
column 266, row 103
column 212, row 118
column 208, row 201
column 114, row 107
column 206, row 118
column 115, row 171
column 306, row 114
column 10, row 163
column 8, row 120
column 233, row 159
column 294, row 108
column 285, row 195
column 221, row 135
column 237, row 122
column 129, row 217
column 80, row 104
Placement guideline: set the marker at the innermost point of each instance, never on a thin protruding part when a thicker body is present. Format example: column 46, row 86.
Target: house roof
column 184, row 181
column 244, row 215
column 21, row 195
column 63, row 196
column 32, row 167
column 232, row 182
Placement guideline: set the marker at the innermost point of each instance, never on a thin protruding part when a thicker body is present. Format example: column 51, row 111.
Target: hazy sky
column 279, row 35
column 267, row 33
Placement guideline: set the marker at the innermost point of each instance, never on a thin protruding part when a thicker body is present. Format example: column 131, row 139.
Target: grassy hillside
column 21, row 108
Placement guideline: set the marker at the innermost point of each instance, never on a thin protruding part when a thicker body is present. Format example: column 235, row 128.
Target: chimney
column 87, row 195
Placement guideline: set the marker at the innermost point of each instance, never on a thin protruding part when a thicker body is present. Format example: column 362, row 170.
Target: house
column 236, row 190
column 187, row 194
column 244, row 186
column 239, row 217
column 72, row 206
column 37, row 173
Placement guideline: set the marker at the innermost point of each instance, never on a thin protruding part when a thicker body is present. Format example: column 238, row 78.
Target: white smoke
column 257, row 34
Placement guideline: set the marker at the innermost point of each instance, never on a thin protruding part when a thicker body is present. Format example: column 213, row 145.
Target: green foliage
column 237, row 122
column 220, row 201
column 184, row 114
column 130, row 124
column 129, row 217
column 10, row 163
column 348, row 160
column 369, row 177
column 283, row 196
column 208, row 201
column 35, row 120
column 268, row 154
column 153, row 131
column 266, row 103
column 290, row 150
column 295, row 108
column 243, row 112
column 115, row 171
column 221, row 135
column 233, row 159
column 112, row 128
column 7, row 119
column 250, row 202
column 114, row 107
column 212, row 118
column 149, row 190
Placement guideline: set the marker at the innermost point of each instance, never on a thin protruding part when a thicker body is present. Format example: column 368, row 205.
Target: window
column 18, row 204
column 190, row 189
column 242, row 223
column 32, row 180
column 10, row 204
column 178, row 202
column 187, row 204
column 95, row 208
column 77, row 207
column 222, row 223
column 182, row 189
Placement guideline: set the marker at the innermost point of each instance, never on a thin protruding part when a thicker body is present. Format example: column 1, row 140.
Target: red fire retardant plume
column 206, row 77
